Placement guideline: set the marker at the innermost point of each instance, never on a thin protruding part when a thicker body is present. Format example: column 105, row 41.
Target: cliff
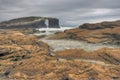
column 30, row 22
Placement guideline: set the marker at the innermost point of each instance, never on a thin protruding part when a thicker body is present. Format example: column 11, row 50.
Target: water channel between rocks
column 63, row 44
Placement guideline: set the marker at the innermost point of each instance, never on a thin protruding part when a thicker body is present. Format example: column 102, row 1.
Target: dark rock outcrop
column 53, row 23
column 30, row 22
column 100, row 25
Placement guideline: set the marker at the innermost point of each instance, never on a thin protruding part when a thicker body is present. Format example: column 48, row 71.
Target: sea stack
column 30, row 22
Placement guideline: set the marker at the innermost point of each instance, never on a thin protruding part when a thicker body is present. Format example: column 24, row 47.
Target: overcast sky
column 70, row 12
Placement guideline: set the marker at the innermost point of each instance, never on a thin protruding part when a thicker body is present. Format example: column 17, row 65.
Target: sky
column 69, row 12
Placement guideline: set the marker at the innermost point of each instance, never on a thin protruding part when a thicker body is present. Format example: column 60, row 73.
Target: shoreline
column 63, row 44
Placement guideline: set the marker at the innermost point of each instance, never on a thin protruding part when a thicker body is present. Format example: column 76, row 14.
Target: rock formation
column 53, row 23
column 105, row 32
column 106, row 55
column 24, row 57
column 30, row 22
column 101, row 25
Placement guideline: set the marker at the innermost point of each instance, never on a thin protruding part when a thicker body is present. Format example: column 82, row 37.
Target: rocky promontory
column 30, row 22
column 104, row 32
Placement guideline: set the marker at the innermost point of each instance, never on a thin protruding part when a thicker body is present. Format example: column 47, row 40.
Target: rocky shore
column 24, row 57
column 105, row 33
column 82, row 53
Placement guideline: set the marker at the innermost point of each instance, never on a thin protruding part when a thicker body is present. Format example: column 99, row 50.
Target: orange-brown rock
column 15, row 46
column 52, row 69
column 24, row 57
column 107, row 55
column 105, row 32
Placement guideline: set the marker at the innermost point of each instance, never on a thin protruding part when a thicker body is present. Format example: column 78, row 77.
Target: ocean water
column 55, row 29
column 47, row 31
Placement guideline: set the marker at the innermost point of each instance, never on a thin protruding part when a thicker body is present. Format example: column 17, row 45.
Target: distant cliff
column 30, row 22
column 101, row 25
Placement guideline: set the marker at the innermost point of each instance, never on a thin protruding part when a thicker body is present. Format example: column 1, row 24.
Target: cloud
column 70, row 12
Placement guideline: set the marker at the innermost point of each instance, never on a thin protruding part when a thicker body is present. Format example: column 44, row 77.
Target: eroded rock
column 30, row 22
column 41, row 66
